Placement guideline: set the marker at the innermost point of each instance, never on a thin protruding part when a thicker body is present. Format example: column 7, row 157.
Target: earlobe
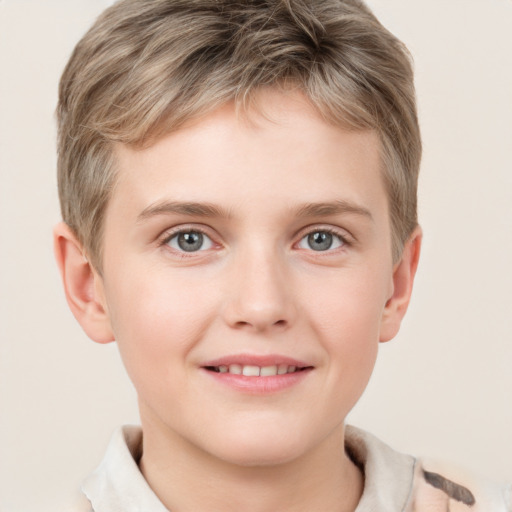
column 403, row 280
column 82, row 285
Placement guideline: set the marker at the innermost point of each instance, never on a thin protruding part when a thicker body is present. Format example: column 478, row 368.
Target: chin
column 259, row 449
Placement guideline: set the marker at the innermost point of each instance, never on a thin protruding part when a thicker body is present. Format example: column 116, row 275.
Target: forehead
column 282, row 152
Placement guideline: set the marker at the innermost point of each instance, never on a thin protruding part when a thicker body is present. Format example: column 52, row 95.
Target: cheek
column 350, row 302
column 157, row 319
column 347, row 318
column 349, row 334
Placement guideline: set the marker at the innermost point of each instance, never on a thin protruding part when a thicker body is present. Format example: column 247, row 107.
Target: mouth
column 249, row 370
column 258, row 374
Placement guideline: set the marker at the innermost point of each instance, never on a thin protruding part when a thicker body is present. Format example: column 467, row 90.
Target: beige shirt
column 394, row 482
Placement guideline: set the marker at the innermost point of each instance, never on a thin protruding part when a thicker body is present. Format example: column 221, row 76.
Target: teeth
column 235, row 368
column 256, row 371
column 267, row 371
column 251, row 371
column 282, row 369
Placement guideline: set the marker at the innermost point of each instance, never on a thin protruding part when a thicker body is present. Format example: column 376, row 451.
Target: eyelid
column 345, row 235
column 170, row 233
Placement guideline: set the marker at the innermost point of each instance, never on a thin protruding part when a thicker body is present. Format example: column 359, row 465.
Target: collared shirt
column 394, row 482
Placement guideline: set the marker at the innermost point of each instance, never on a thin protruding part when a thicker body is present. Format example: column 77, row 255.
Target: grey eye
column 190, row 241
column 321, row 241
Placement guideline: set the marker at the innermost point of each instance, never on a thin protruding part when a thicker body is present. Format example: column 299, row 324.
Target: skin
column 257, row 287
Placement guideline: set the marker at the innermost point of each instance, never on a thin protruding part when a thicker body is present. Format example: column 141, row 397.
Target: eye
column 321, row 240
column 190, row 241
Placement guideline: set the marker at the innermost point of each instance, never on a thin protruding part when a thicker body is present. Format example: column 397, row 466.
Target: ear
column 403, row 279
column 83, row 285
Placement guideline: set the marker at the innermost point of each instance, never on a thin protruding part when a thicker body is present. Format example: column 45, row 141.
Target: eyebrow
column 194, row 209
column 333, row 208
column 182, row 208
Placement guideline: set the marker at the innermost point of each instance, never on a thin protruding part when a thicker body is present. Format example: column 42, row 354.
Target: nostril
column 241, row 323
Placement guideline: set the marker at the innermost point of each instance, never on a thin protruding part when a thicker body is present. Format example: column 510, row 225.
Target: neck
column 187, row 479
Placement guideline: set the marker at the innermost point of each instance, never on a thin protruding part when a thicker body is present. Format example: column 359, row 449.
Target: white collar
column 117, row 485
column 388, row 475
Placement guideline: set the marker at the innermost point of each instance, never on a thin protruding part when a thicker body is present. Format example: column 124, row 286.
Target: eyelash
column 343, row 238
column 166, row 239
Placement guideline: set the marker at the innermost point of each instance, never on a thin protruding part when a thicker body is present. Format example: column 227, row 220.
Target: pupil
column 320, row 241
column 191, row 241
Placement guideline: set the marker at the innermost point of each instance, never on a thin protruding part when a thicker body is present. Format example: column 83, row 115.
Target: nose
column 261, row 293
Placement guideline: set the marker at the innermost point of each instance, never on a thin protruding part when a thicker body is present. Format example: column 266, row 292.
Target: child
column 238, row 187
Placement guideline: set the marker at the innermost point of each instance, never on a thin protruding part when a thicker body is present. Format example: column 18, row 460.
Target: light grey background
column 443, row 388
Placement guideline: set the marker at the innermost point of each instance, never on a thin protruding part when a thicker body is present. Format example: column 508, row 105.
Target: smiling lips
column 258, row 374
column 255, row 371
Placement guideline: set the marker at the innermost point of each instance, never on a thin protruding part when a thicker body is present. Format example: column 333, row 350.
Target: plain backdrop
column 442, row 388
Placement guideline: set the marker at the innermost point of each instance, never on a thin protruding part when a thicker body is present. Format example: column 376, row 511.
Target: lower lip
column 259, row 385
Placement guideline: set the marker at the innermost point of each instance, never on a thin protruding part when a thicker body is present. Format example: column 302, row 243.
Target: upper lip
column 256, row 360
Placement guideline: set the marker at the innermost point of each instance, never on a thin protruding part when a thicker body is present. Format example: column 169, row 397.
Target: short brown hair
column 147, row 66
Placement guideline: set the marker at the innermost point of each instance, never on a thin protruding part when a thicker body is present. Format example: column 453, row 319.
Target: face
column 246, row 274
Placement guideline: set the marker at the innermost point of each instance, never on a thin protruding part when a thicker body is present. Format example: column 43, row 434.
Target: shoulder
column 399, row 482
column 443, row 487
